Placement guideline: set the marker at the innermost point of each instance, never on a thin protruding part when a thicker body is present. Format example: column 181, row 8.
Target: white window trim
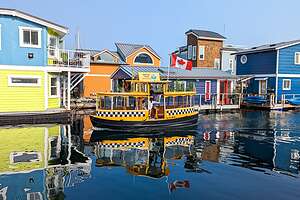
column 201, row 46
column 56, row 52
column 143, row 63
column 39, row 194
column 0, row 37
column 295, row 58
column 290, row 85
column 21, row 43
column 57, row 85
column 10, row 83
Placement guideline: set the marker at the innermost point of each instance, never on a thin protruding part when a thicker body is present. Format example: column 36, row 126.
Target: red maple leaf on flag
column 181, row 62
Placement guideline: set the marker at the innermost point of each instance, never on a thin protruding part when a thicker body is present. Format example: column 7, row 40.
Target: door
column 207, row 90
column 262, row 87
column 225, row 89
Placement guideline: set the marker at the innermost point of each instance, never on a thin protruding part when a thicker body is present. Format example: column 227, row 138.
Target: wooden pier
column 43, row 117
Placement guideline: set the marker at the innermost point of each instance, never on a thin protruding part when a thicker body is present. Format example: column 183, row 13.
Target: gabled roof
column 62, row 30
column 127, row 49
column 175, row 73
column 269, row 47
column 94, row 53
column 203, row 34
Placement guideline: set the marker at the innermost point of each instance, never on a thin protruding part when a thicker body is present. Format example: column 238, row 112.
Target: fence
column 218, row 101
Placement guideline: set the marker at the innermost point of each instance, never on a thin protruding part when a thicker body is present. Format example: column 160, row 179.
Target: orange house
column 104, row 63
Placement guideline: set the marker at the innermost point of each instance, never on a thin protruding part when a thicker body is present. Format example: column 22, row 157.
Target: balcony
column 68, row 58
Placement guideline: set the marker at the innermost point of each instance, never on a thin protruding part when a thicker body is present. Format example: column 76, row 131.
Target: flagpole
column 169, row 67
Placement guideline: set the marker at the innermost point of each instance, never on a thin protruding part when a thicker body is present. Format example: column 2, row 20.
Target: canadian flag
column 181, row 63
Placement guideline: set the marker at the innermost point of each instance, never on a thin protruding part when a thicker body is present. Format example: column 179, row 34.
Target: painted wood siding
column 295, row 86
column 200, row 86
column 253, row 86
column 20, row 98
column 287, row 60
column 20, row 140
column 11, row 52
column 257, row 63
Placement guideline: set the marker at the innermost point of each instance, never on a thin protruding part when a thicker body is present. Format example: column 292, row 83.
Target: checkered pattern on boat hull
column 183, row 111
column 123, row 145
column 121, row 114
column 180, row 141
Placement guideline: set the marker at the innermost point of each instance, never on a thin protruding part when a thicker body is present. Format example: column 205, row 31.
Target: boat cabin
column 147, row 98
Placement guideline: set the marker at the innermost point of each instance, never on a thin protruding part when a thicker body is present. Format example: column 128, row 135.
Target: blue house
column 35, row 69
column 271, row 69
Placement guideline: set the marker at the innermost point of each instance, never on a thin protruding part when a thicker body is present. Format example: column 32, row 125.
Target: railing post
column 68, row 54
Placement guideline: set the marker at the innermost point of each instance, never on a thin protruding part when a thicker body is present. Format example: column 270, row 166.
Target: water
column 244, row 155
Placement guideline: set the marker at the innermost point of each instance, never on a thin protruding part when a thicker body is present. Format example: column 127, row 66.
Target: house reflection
column 254, row 149
column 43, row 159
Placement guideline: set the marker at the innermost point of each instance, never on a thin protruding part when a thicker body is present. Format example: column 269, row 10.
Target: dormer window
column 30, row 37
column 143, row 58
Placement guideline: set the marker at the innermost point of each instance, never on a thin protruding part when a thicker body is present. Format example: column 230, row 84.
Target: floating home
column 213, row 87
column 271, row 71
column 104, row 63
column 36, row 72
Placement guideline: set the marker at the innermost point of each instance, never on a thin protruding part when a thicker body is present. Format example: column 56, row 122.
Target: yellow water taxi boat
column 145, row 104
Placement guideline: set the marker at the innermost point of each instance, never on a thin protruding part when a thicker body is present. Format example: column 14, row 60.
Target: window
column 190, row 51
column 217, row 63
column 194, row 52
column 143, row 58
column 25, row 157
column 297, row 58
column 54, row 87
column 16, row 80
column 30, row 37
column 53, row 46
column 286, row 84
column 34, row 196
column 201, row 52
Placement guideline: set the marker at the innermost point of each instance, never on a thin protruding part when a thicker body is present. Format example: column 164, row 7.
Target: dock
column 62, row 116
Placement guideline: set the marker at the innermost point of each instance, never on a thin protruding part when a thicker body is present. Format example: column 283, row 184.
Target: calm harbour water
column 244, row 155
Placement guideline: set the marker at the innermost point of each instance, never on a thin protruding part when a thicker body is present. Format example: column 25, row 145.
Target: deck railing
column 68, row 58
column 217, row 101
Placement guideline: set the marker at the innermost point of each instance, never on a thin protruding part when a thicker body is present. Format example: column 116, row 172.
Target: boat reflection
column 44, row 160
column 141, row 156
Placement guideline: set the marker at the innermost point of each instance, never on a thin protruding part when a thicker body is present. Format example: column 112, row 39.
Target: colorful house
column 36, row 73
column 203, row 48
column 104, row 63
column 210, row 84
column 271, row 69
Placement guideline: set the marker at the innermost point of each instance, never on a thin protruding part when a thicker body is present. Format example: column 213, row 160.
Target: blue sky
column 162, row 23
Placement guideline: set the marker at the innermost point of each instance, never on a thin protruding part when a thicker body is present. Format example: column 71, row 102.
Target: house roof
column 205, row 34
column 269, row 47
column 62, row 30
column 127, row 49
column 232, row 48
column 175, row 73
column 94, row 52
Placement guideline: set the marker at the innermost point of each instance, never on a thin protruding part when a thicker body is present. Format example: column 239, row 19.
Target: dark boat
column 151, row 125
column 294, row 101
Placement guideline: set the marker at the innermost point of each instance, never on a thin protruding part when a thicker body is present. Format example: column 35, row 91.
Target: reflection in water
column 50, row 160
column 43, row 160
